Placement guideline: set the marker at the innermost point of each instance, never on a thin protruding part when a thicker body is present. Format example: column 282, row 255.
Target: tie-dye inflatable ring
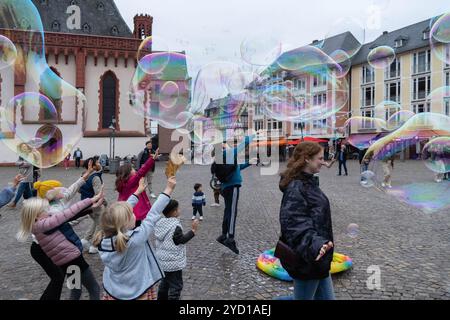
column 271, row 265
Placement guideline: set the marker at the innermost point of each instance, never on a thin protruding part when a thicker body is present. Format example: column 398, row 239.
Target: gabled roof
column 98, row 17
column 412, row 36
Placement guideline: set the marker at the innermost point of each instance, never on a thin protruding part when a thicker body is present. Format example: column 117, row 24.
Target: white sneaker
column 194, row 217
column 153, row 196
column 383, row 185
column 86, row 244
column 201, row 218
column 93, row 250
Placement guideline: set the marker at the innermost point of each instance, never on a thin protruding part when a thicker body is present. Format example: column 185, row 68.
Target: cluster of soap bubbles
column 419, row 191
column 45, row 122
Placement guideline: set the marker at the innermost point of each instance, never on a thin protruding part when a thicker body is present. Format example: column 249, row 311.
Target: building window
column 320, row 99
column 368, row 75
column 447, row 79
column 320, row 124
column 154, row 128
column 399, row 43
column 368, row 96
column 298, row 126
column 109, row 99
column 367, row 120
column 426, row 35
column 300, row 84
column 258, row 110
column 393, row 91
column 274, row 125
column 422, row 61
column 421, row 107
column 421, row 87
column 393, row 70
column 319, row 81
column 259, row 125
column 157, row 89
column 447, row 107
column 391, row 110
column 447, row 55
column 52, row 90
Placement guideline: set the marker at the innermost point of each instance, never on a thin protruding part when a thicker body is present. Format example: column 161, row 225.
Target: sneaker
column 86, row 244
column 221, row 239
column 383, row 185
column 153, row 196
column 231, row 244
column 193, row 218
column 93, row 250
column 213, row 204
column 201, row 218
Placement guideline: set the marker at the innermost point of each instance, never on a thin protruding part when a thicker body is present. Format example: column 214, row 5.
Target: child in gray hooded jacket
column 131, row 268
column 171, row 251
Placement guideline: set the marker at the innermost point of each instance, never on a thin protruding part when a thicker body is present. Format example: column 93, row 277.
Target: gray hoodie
column 128, row 275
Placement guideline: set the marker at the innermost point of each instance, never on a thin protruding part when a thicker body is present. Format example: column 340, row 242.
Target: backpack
column 223, row 172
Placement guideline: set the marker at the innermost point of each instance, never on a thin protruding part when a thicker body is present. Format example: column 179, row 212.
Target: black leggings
column 87, row 279
column 199, row 210
column 56, row 275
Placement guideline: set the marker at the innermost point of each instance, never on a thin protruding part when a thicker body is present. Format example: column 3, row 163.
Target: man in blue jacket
column 230, row 193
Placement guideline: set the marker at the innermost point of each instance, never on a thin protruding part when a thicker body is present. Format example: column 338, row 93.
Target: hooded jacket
column 128, row 275
column 306, row 225
column 170, row 244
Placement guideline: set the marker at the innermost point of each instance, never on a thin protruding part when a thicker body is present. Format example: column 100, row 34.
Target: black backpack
column 224, row 171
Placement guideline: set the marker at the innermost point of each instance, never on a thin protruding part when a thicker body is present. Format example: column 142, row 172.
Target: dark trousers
column 56, row 275
column 23, row 190
column 343, row 163
column 231, row 197
column 87, row 279
column 171, row 286
column 199, row 210
column 217, row 196
column 78, row 162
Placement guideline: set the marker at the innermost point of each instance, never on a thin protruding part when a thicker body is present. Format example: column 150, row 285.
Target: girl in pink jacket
column 58, row 245
column 127, row 183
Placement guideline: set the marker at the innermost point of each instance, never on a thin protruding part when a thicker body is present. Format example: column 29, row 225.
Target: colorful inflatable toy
column 270, row 265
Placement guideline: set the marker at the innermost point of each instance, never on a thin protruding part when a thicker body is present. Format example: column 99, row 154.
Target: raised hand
column 17, row 180
column 195, row 225
column 98, row 200
column 156, row 155
column 142, row 186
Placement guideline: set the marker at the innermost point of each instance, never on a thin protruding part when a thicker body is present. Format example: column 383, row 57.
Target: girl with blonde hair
column 61, row 247
column 131, row 269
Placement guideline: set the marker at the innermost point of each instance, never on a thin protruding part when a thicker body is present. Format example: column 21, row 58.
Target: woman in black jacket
column 306, row 227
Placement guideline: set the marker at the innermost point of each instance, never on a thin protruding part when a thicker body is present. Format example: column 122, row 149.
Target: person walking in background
column 342, row 158
column 388, row 168
column 67, row 162
column 78, row 156
column 141, row 160
column 198, row 202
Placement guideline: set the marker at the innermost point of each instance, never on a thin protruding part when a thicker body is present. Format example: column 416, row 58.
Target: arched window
column 109, row 99
column 50, row 86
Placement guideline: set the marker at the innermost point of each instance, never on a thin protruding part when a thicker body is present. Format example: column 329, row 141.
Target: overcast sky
column 211, row 30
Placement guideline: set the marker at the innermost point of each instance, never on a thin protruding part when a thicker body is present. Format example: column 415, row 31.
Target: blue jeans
column 23, row 190
column 314, row 289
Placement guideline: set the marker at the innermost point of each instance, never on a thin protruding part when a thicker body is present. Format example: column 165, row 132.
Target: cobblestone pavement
column 410, row 247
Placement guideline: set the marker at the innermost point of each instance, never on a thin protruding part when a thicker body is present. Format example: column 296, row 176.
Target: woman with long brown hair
column 306, row 226
column 127, row 182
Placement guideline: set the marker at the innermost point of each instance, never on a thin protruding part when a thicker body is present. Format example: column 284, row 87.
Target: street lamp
column 112, row 139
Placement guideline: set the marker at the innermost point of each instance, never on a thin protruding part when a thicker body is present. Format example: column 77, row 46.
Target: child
column 49, row 230
column 59, row 199
column 67, row 162
column 171, row 251
column 92, row 187
column 131, row 269
column 127, row 182
column 198, row 201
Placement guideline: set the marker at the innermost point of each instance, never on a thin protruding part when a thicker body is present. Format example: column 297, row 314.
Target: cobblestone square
column 410, row 247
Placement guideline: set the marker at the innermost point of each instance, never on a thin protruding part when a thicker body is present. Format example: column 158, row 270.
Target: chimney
column 315, row 42
column 385, row 33
column 143, row 26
